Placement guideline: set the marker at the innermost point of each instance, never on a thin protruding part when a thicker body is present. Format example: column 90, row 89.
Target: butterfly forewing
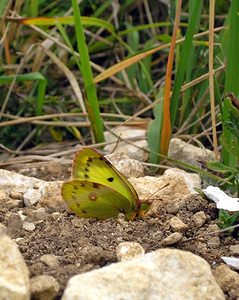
column 89, row 165
column 93, row 200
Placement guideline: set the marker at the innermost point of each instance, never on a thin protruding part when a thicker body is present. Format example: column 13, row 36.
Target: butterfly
column 98, row 190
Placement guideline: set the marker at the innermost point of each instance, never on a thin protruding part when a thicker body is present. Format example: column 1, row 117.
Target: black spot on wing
column 110, row 179
column 84, row 211
column 87, row 170
column 86, row 176
column 95, row 185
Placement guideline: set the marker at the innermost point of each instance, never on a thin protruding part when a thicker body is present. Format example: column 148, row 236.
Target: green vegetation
column 107, row 63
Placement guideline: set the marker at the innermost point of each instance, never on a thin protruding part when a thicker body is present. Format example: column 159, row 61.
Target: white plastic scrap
column 221, row 199
column 231, row 261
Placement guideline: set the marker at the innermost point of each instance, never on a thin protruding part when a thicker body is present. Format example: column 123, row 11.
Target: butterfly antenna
column 148, row 199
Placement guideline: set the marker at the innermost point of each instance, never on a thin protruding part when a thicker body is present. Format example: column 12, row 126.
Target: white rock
column 177, row 225
column 234, row 249
column 228, row 280
column 221, row 199
column 231, row 261
column 28, row 226
column 14, row 278
column 33, row 190
column 127, row 166
column 136, row 135
column 3, row 195
column 129, row 250
column 44, row 287
column 50, row 260
column 173, row 238
column 163, row 189
column 163, row 274
column 199, row 219
column 192, row 180
column 188, row 153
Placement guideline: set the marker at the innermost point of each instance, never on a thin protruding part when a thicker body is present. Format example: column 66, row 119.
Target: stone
column 13, row 203
column 199, row 219
column 127, row 166
column 28, row 226
column 40, row 214
column 50, row 260
column 177, row 225
column 3, row 195
column 234, row 249
column 33, row 190
column 44, row 287
column 188, row 153
column 172, row 239
column 14, row 277
column 228, row 280
column 129, row 250
column 134, row 150
column 163, row 274
column 16, row 195
column 192, row 180
column 213, row 242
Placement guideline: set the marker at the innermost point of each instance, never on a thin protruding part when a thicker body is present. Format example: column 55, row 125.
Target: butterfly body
column 98, row 189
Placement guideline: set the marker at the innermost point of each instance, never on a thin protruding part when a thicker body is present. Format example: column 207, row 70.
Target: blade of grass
column 91, row 95
column 232, row 71
column 42, row 82
column 185, row 53
column 166, row 122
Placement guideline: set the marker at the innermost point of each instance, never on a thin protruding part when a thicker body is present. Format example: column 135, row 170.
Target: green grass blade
column 91, row 95
column 185, row 53
column 41, row 88
column 232, row 72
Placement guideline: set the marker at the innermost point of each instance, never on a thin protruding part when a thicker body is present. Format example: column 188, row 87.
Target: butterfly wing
column 93, row 200
column 91, row 166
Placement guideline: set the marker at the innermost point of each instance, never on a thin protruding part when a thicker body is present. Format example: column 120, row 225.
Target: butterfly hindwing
column 91, row 166
column 88, row 199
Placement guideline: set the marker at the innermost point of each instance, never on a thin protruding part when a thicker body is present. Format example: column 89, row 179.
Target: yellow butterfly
column 99, row 190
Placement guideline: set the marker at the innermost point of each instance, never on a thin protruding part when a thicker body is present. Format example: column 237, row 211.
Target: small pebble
column 234, row 249
column 56, row 215
column 50, row 260
column 128, row 250
column 228, row 280
column 13, row 204
column 174, row 206
column 3, row 195
column 172, row 239
column 41, row 214
column 214, row 242
column 28, row 226
column 44, row 287
column 199, row 219
column 16, row 195
column 177, row 224
column 21, row 215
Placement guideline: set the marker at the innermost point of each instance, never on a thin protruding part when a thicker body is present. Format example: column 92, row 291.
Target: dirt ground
column 86, row 244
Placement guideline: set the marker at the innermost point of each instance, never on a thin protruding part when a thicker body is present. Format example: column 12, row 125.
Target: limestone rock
column 188, row 153
column 14, row 278
column 163, row 274
column 129, row 250
column 44, row 287
column 228, row 280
